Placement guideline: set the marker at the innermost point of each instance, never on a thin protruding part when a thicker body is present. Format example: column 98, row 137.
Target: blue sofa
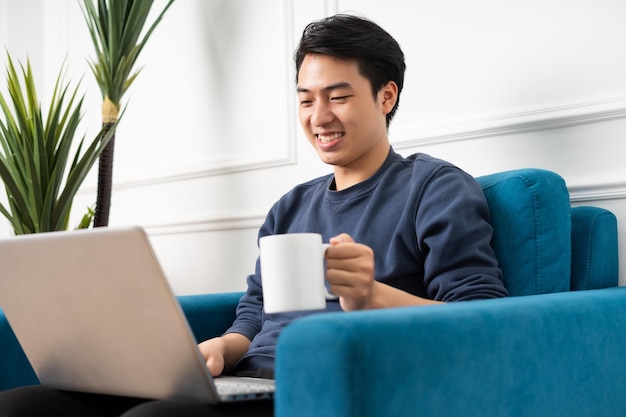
column 554, row 348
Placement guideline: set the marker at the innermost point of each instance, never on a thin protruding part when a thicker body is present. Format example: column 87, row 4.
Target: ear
column 389, row 96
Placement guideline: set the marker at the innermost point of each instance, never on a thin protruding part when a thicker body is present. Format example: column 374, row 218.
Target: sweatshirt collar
column 363, row 186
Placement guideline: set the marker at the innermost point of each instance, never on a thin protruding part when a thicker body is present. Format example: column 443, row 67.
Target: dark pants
column 42, row 401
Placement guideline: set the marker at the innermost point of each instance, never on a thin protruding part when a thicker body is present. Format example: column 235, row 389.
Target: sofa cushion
column 530, row 214
column 594, row 249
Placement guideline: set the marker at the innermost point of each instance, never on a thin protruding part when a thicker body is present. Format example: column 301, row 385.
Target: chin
column 329, row 160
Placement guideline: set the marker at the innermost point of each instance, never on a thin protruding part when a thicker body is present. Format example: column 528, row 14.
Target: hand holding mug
column 350, row 273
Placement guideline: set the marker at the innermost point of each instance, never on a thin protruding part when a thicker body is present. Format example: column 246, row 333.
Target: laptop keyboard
column 233, row 387
column 244, row 389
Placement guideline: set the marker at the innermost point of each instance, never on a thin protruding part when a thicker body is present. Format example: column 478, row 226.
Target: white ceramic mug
column 292, row 269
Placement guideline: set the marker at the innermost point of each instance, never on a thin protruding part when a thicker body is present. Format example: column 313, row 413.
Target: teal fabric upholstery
column 530, row 214
column 594, row 248
column 209, row 323
column 546, row 351
column 15, row 370
column 552, row 355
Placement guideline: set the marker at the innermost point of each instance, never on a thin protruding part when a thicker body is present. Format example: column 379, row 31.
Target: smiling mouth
column 328, row 138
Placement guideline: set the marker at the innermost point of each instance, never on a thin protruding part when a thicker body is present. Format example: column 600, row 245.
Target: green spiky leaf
column 43, row 162
column 117, row 32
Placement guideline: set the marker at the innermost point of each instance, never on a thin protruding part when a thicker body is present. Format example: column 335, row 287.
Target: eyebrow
column 331, row 87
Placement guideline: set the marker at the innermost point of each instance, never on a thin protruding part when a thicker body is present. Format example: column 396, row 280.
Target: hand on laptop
column 222, row 353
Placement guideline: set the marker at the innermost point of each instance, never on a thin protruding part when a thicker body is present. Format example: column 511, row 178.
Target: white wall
column 210, row 137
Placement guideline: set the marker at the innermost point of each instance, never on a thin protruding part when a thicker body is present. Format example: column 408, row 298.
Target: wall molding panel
column 208, row 168
column 331, row 7
column 597, row 192
column 207, row 224
column 280, row 147
column 508, row 124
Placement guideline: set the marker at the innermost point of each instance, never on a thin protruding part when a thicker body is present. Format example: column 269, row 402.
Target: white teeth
column 329, row 138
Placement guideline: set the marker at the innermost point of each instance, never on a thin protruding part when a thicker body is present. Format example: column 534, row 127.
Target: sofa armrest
column 209, row 315
column 594, row 249
column 553, row 355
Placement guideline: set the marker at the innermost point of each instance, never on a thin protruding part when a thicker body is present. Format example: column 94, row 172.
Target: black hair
column 377, row 53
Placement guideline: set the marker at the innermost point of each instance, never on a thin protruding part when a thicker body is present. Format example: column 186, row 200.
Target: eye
column 339, row 99
column 306, row 102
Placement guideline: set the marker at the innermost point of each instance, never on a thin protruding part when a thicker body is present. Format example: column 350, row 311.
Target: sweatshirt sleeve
column 454, row 235
column 249, row 318
column 248, row 321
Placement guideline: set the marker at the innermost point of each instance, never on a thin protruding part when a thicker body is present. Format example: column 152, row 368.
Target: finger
column 346, row 263
column 341, row 238
column 348, row 251
column 215, row 367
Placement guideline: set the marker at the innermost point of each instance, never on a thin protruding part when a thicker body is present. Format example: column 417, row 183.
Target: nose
column 321, row 114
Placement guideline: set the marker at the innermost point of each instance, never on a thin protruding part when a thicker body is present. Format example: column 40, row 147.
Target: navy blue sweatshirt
column 426, row 220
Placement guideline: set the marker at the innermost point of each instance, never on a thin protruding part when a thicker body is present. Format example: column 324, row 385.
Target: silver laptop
column 94, row 313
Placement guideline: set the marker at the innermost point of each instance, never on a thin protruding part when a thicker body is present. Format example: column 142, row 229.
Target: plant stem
column 105, row 180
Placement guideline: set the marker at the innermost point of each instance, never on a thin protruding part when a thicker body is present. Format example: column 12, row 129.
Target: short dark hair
column 377, row 53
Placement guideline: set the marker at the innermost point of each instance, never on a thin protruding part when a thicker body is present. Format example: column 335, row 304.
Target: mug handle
column 327, row 294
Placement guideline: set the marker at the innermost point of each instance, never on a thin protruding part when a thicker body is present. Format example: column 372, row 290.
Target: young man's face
column 343, row 121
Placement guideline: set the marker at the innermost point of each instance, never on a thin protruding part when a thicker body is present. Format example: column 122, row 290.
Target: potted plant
column 42, row 160
column 116, row 31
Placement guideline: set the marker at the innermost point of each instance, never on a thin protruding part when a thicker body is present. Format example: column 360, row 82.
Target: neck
column 348, row 176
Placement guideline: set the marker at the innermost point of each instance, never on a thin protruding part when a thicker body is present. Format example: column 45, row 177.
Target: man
column 403, row 231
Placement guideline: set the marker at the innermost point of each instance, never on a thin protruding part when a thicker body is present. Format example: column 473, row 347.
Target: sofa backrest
column 530, row 214
column 542, row 244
